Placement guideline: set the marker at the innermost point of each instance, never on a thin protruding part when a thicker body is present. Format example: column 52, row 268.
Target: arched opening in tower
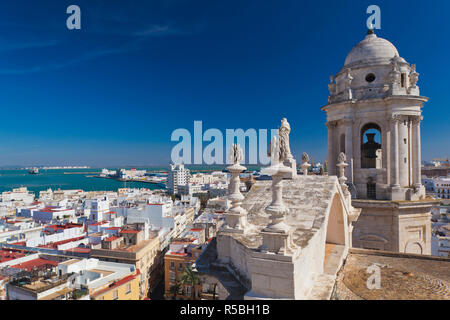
column 371, row 154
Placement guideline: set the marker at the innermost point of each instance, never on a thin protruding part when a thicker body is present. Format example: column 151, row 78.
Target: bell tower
column 373, row 116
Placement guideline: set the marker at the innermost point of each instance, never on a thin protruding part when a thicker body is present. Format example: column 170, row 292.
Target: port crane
column 445, row 161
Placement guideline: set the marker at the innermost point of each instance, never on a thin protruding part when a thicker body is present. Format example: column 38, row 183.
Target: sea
column 68, row 179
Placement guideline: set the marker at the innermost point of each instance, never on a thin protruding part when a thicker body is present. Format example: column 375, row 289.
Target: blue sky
column 112, row 93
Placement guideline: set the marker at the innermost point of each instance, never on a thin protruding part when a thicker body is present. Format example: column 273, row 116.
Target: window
column 403, row 80
column 172, row 276
column 342, row 143
column 370, row 77
column 172, row 265
column 180, row 266
column 128, row 288
column 115, row 295
column 371, row 191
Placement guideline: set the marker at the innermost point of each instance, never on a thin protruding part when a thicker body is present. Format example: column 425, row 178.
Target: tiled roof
column 29, row 265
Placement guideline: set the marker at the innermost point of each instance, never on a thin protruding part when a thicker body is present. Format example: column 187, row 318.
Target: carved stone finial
column 236, row 217
column 305, row 165
column 342, row 157
column 341, row 170
column 305, row 157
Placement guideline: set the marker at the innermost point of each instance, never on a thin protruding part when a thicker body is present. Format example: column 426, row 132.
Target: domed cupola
column 373, row 69
column 371, row 50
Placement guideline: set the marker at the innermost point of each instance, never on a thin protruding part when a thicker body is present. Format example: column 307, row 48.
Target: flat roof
column 403, row 276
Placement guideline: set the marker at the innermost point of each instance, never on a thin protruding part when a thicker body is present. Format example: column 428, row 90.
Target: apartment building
column 138, row 246
column 177, row 175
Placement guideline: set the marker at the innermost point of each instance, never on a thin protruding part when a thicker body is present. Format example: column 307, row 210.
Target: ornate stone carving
column 305, row 157
column 332, row 86
column 394, row 75
column 341, row 170
column 331, row 124
column 414, row 76
column 274, row 151
column 236, row 154
column 277, row 234
column 342, row 157
column 395, row 118
column 236, row 217
column 415, row 119
column 348, row 78
column 283, row 133
column 305, row 165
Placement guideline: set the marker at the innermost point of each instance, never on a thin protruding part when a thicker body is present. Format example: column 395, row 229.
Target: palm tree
column 190, row 278
column 175, row 289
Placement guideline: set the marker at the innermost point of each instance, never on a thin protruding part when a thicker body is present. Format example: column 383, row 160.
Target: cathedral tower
column 373, row 116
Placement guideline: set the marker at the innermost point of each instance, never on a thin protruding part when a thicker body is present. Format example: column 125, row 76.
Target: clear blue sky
column 113, row 92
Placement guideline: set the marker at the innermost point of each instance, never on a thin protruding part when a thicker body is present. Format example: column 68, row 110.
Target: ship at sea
column 33, row 171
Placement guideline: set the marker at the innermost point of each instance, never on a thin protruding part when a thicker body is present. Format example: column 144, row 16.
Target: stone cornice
column 375, row 100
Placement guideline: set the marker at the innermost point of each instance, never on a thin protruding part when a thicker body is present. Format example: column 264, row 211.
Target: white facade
column 18, row 194
column 177, row 175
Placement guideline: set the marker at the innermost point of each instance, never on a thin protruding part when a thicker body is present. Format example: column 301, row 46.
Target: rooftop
column 117, row 284
column 307, row 197
column 8, row 254
column 35, row 263
column 403, row 276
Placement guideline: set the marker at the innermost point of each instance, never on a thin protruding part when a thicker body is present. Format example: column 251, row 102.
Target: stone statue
column 348, row 78
column 274, row 151
column 283, row 133
column 236, row 154
column 332, row 86
column 414, row 76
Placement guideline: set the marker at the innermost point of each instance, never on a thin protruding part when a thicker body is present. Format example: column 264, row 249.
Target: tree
column 175, row 289
column 190, row 278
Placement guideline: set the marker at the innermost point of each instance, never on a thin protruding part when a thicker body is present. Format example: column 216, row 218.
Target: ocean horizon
column 82, row 178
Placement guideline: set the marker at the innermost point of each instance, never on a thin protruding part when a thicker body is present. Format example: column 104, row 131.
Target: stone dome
column 371, row 50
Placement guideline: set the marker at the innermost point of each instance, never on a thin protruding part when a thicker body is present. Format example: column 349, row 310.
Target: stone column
column 236, row 217
column 331, row 148
column 395, row 179
column 417, row 152
column 349, row 147
column 277, row 236
column 403, row 151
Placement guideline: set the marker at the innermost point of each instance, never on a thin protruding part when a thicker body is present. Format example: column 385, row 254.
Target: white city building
column 177, row 175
